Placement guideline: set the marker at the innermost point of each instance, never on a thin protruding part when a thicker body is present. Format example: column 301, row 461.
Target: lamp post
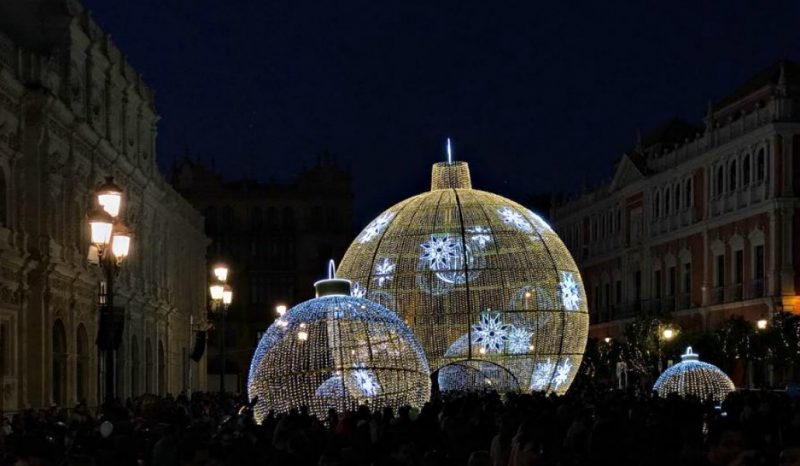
column 666, row 334
column 112, row 240
column 221, row 298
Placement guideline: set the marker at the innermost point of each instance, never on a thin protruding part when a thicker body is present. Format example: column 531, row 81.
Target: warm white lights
column 695, row 378
column 478, row 277
column 120, row 243
column 100, row 223
column 221, row 272
column 280, row 309
column 337, row 351
column 216, row 290
column 668, row 333
column 761, row 324
column 109, row 197
column 607, row 340
column 227, row 296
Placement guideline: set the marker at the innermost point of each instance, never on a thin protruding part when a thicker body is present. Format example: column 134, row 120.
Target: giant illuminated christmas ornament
column 694, row 377
column 337, row 351
column 488, row 287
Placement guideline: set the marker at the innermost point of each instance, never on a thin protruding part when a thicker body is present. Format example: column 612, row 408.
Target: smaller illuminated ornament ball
column 337, row 351
column 696, row 378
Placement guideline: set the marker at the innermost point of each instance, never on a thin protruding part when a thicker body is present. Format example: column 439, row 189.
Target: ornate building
column 73, row 111
column 700, row 222
column 276, row 238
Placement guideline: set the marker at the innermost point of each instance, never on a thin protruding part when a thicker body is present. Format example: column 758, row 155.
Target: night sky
column 537, row 96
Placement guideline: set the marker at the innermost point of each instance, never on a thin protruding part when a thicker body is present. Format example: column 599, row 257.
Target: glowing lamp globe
column 489, row 289
column 337, row 351
column 695, row 378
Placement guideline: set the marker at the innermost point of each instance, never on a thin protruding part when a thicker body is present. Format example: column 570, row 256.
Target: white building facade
column 73, row 111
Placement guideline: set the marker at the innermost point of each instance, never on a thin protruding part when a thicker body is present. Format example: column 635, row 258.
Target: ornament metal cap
column 332, row 286
column 689, row 355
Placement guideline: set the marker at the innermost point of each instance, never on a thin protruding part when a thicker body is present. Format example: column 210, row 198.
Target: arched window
column 667, row 201
column 135, row 367
column 148, row 366
column 657, row 204
column 761, row 165
column 687, row 193
column 746, row 170
column 59, row 363
column 677, row 193
column 162, row 370
column 719, row 181
column 81, row 363
column 732, row 176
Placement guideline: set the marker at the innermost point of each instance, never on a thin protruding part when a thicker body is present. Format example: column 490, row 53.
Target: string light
column 337, row 351
column 442, row 258
column 694, row 377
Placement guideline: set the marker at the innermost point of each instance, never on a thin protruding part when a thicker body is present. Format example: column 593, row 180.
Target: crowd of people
column 588, row 426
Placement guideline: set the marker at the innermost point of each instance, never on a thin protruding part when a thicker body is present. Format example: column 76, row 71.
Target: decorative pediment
column 627, row 173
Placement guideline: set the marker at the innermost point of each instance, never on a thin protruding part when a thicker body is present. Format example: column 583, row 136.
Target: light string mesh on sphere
column 696, row 378
column 337, row 352
column 488, row 288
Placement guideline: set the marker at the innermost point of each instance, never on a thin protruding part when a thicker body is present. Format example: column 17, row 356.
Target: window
column 657, row 284
column 81, row 363
column 746, row 170
column 761, row 165
column 687, row 195
column 677, row 190
column 637, row 285
column 666, row 201
column 758, row 262
column 732, row 176
column 671, row 278
column 687, row 277
column 657, row 205
column 738, row 270
column 720, row 279
column 607, row 296
column 718, row 183
column 618, row 286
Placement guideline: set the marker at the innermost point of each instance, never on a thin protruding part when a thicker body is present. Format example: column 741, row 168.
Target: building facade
column 73, row 111
column 276, row 238
column 699, row 222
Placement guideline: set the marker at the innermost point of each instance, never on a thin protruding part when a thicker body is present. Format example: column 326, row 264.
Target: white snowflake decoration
column 375, row 227
column 357, row 290
column 365, row 380
column 480, row 236
column 491, row 333
column 570, row 292
column 440, row 252
column 514, row 218
column 542, row 373
column 384, row 271
column 562, row 373
column 519, row 340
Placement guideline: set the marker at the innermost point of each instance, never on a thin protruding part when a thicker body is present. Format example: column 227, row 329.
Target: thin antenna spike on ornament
column 331, row 270
column 449, row 151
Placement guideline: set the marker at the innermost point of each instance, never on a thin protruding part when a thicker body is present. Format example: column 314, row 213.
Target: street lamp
column 112, row 240
column 666, row 334
column 761, row 324
column 280, row 309
column 221, row 298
